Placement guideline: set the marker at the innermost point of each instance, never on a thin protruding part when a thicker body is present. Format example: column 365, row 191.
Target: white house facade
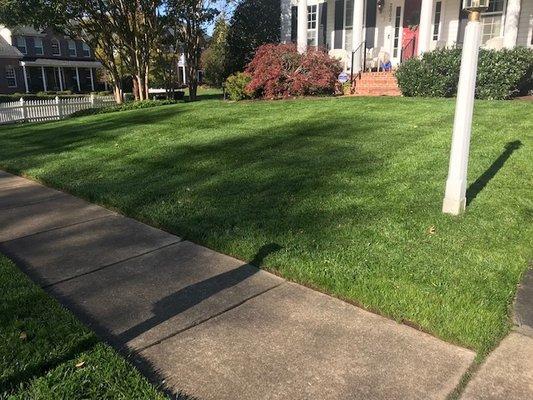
column 395, row 30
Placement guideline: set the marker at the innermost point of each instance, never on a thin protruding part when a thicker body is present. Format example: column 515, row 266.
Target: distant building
column 33, row 61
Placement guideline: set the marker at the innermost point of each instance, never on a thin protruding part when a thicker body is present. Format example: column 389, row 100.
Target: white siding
column 525, row 25
column 450, row 22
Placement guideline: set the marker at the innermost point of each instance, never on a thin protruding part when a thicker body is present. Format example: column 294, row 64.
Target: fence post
column 91, row 100
column 24, row 111
column 59, row 110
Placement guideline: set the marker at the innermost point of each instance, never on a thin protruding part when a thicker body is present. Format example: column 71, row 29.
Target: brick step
column 376, row 85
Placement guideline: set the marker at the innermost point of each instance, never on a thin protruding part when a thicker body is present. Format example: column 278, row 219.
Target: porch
column 394, row 30
column 59, row 75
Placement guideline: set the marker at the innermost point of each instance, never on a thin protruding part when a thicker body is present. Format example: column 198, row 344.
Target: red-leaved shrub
column 279, row 71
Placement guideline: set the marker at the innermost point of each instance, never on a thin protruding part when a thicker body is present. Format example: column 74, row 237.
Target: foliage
column 41, row 343
column 236, row 86
column 502, row 74
column 191, row 20
column 348, row 187
column 279, row 70
column 214, row 57
column 137, row 105
column 254, row 23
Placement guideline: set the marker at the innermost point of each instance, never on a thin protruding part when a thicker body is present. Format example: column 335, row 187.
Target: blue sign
column 343, row 77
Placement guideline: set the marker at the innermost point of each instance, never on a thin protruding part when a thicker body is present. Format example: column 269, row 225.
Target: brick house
column 33, row 61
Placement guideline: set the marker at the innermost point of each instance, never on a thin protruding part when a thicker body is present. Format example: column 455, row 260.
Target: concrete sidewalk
column 211, row 326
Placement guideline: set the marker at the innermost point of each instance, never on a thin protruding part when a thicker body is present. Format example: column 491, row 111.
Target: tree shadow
column 476, row 187
column 188, row 297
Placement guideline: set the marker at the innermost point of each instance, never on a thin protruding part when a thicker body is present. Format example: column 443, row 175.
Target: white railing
column 49, row 110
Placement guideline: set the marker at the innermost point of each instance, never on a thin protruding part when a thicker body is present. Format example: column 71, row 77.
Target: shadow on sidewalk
column 188, row 297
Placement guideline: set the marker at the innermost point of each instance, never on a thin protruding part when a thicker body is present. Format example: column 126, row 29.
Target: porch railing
column 362, row 59
column 50, row 109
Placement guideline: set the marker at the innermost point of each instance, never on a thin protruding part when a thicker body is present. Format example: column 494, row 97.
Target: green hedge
column 236, row 86
column 137, row 105
column 502, row 74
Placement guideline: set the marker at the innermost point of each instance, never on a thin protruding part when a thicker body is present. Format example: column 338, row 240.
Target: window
column 312, row 17
column 348, row 15
column 86, row 50
column 492, row 27
column 11, row 76
column 495, row 6
column 397, row 21
column 56, row 47
column 492, row 20
column 436, row 26
column 21, row 44
column 72, row 48
column 38, row 44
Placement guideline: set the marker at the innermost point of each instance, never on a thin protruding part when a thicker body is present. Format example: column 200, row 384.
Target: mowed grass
column 45, row 353
column 349, row 188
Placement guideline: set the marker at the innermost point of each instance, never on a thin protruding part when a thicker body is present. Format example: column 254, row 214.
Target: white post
column 510, row 30
column 58, row 105
column 25, row 79
column 92, row 79
column 358, row 26
column 302, row 26
column 455, row 196
column 60, row 78
column 78, row 79
column 24, row 111
column 424, row 29
column 91, row 100
column 45, row 86
column 184, row 70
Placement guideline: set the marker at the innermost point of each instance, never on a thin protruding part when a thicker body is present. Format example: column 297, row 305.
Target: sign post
column 455, row 196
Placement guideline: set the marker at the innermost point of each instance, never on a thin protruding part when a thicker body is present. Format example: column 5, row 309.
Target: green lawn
column 350, row 188
column 45, row 353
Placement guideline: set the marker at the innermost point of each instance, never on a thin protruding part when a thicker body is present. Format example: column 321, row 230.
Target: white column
column 184, row 70
column 25, row 79
column 78, row 79
column 358, row 28
column 45, row 86
column 512, row 17
column 92, row 79
column 302, row 26
column 455, row 197
column 60, row 74
column 424, row 29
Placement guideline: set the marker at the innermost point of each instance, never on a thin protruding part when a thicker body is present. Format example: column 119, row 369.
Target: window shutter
column 339, row 23
column 323, row 26
column 294, row 23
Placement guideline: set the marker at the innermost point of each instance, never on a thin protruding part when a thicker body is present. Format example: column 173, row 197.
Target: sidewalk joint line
column 53, row 197
column 57, row 228
column 202, row 321
column 111, row 264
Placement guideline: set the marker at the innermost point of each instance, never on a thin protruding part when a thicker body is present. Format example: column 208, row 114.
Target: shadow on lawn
column 476, row 187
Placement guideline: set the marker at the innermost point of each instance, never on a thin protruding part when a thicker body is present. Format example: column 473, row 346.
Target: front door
column 411, row 22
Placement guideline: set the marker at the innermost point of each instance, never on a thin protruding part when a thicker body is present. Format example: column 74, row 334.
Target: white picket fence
column 49, row 110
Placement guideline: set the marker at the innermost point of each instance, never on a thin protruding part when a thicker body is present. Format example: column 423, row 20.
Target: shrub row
column 137, row 105
column 280, row 71
column 502, row 74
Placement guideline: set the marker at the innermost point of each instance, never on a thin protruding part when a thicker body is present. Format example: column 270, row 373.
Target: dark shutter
column 323, row 26
column 339, row 23
column 371, row 9
column 463, row 20
column 294, row 23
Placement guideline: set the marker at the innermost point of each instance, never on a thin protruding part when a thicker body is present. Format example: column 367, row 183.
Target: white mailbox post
column 455, row 195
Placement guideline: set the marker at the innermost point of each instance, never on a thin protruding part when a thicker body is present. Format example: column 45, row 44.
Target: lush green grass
column 45, row 353
column 349, row 188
